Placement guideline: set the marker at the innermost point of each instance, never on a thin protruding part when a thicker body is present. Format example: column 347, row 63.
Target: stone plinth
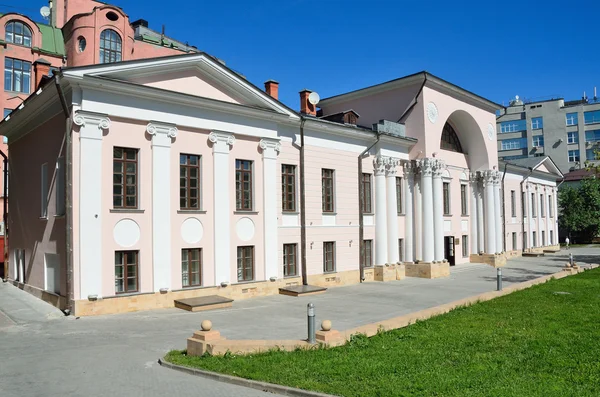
column 331, row 337
column 400, row 271
column 197, row 344
column 428, row 270
column 385, row 273
column 495, row 260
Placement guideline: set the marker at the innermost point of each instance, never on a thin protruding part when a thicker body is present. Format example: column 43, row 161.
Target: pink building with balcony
column 156, row 180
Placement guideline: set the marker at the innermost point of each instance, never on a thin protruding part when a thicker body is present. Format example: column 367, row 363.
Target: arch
column 471, row 138
column 18, row 32
column 450, row 140
column 111, row 46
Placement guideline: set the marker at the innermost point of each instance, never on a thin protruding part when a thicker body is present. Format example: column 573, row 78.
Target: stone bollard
column 197, row 344
column 327, row 335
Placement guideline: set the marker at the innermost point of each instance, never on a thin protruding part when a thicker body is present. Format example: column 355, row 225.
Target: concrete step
column 533, row 254
column 302, row 290
column 201, row 303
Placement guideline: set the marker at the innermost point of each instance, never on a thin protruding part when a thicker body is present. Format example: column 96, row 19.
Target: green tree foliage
column 580, row 210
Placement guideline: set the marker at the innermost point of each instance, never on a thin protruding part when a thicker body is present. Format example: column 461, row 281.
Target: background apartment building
column 567, row 131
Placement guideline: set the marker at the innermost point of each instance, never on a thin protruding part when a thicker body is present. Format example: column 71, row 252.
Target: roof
column 531, row 163
column 578, row 175
column 53, row 42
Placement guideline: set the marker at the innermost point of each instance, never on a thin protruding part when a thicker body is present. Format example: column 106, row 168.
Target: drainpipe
column 5, row 214
column 503, row 211
column 361, row 231
column 68, row 196
column 523, row 201
column 302, row 205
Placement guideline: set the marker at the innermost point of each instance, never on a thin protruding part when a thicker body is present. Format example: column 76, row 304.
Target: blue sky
column 532, row 49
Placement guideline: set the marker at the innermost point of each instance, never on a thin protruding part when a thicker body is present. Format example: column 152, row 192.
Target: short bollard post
column 310, row 309
column 499, row 278
column 571, row 259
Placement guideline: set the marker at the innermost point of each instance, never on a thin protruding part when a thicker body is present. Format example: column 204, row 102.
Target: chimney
column 272, row 88
column 305, row 106
column 42, row 69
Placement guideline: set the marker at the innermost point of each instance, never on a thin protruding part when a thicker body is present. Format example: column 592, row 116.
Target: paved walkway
column 43, row 353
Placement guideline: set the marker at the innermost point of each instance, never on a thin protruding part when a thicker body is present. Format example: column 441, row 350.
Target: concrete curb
column 253, row 384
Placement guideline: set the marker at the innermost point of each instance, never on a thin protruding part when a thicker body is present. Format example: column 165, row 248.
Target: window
column 243, row 185
column 290, row 260
column 573, row 156
column 592, row 154
column 329, row 257
column 446, row 195
column 245, row 263
column 543, row 242
column 463, row 200
column 17, row 75
column 542, row 206
column 44, row 190
column 110, row 46
column 513, row 126
column 551, row 238
column 524, row 204
column 328, row 191
column 538, row 140
column 591, row 117
column 573, row 137
column 534, row 238
column 508, row 158
column 465, row 246
column 366, row 257
column 537, row 123
column 401, row 250
column 592, row 136
column 399, row 202
column 288, row 188
column 514, row 241
column 81, row 44
column 512, row 144
column 189, row 182
column 571, row 119
column 125, row 175
column 18, row 33
column 60, row 186
column 191, row 267
column 450, row 139
column 513, row 203
column 366, row 194
column 126, row 271
column 6, row 112
column 533, row 212
column 550, row 207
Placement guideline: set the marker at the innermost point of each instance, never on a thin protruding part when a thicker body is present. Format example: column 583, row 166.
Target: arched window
column 110, row 46
column 450, row 139
column 18, row 33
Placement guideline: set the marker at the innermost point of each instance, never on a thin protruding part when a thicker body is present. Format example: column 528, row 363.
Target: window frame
column 514, row 241
column 124, row 174
column 367, row 193
column 550, row 206
column 465, row 246
column 400, row 195
column 366, row 254
column 542, row 206
column 594, row 117
column 114, row 55
column 327, row 191
column 533, row 209
column 187, row 252
column 513, row 203
column 537, row 140
column 326, row 252
column 188, row 167
column 575, row 135
column 23, row 35
column 464, row 200
column 446, row 205
column 575, row 155
column 125, row 276
column 513, row 126
column 240, row 204
column 286, row 260
column 243, row 250
column 574, row 120
column 12, row 71
column 400, row 250
column 537, row 123
column 288, row 182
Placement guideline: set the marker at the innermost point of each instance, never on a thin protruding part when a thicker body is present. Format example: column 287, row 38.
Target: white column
column 222, row 205
column 473, row 216
column 490, row 227
column 161, row 202
column 438, row 211
column 498, row 213
column 529, row 205
column 409, row 228
column 381, row 250
column 418, row 216
column 270, row 148
column 90, row 202
column 427, row 239
column 549, row 219
column 538, row 228
column 392, row 212
column 555, row 225
column 480, row 214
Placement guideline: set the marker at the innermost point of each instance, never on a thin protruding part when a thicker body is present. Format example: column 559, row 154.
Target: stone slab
column 201, row 303
column 302, row 290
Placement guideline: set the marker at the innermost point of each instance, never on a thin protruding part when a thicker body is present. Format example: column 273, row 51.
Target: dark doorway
column 449, row 250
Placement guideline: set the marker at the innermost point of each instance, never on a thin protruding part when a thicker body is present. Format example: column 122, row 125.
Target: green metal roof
column 53, row 42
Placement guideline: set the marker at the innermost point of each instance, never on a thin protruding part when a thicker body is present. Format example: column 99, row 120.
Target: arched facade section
column 18, row 32
column 111, row 46
column 450, row 140
column 461, row 131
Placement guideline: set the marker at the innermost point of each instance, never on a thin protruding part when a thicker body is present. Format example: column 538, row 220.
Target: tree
column 580, row 210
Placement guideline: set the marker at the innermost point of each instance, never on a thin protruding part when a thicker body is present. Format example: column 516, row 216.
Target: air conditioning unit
column 538, row 147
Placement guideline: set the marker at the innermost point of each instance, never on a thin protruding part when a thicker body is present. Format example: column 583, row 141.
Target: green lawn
column 530, row 343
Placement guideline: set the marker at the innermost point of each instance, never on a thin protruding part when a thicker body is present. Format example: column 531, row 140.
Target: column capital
column 161, row 133
column 425, row 166
column 380, row 163
column 438, row 168
column 90, row 119
column 221, row 141
column 270, row 147
column 474, row 178
column 392, row 165
column 410, row 168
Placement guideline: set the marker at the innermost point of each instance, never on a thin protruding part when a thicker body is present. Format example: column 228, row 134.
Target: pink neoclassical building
column 151, row 181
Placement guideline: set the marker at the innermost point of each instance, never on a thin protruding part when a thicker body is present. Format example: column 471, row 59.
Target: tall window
column 513, row 203
column 542, row 206
column 537, row 123
column 328, row 257
column 245, row 263
column 401, row 250
column 514, row 241
column 550, row 206
column 465, row 246
column 446, row 196
column 366, row 258
column 243, row 185
column 126, row 271
column 463, row 200
column 591, row 117
column 543, row 242
column 513, row 126
column 366, row 194
column 125, row 175
column 288, row 188
column 18, row 33
column 571, row 119
column 573, row 156
column 290, row 258
column 533, row 211
column 191, row 267
column 534, row 238
column 538, row 140
column 110, row 46
column 44, row 190
column 327, row 190
column 573, row 137
column 450, row 139
column 399, row 201
column 189, row 182
column 551, row 238
column 524, row 204
column 17, row 75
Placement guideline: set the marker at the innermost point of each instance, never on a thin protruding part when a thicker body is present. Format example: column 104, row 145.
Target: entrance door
column 52, row 263
column 449, row 250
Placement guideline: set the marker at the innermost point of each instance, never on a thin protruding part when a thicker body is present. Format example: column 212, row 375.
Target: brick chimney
column 305, row 106
column 41, row 68
column 272, row 88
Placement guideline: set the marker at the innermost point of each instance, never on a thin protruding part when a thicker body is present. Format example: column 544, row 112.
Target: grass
column 530, row 343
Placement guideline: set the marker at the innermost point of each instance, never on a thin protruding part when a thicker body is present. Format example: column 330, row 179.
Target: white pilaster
column 529, row 207
column 549, row 219
column 480, row 214
column 498, row 213
column 222, row 205
column 381, row 249
column 392, row 212
column 538, row 229
column 161, row 202
column 418, row 216
column 409, row 233
column 438, row 211
column 473, row 216
column 90, row 202
column 490, row 227
column 427, row 240
column 270, row 149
